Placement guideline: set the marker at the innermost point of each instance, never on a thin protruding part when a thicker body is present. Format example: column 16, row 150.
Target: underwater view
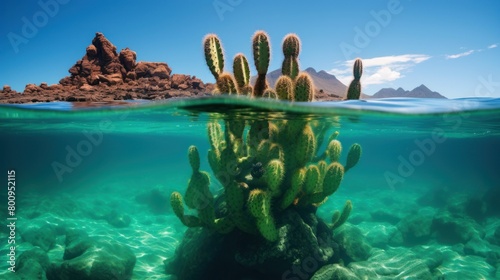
column 389, row 189
column 249, row 140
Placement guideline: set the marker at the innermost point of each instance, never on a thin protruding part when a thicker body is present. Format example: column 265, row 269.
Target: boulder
column 161, row 72
column 7, row 89
column 92, row 258
column 127, row 58
column 303, row 246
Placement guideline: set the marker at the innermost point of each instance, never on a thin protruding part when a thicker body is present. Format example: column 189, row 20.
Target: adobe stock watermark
column 31, row 26
column 223, row 6
column 76, row 154
column 486, row 87
column 425, row 148
column 364, row 35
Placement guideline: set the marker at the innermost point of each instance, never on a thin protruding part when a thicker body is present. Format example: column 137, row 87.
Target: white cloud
column 492, row 46
column 453, row 56
column 379, row 70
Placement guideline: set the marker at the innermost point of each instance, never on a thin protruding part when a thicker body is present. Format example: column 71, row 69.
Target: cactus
column 354, row 90
column 353, row 156
column 273, row 175
column 264, row 166
column 241, row 72
column 262, row 56
column 334, row 150
column 214, row 54
column 304, row 88
column 226, row 84
column 339, row 218
column 285, row 88
column 194, row 158
column 291, row 49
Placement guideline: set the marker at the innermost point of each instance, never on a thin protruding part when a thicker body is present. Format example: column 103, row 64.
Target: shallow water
column 74, row 167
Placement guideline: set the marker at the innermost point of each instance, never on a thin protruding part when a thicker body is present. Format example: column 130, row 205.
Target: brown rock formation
column 102, row 74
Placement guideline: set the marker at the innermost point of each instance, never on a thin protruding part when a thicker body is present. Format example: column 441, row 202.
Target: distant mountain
column 419, row 92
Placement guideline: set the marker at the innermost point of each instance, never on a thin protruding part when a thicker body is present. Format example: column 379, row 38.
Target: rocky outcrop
column 103, row 74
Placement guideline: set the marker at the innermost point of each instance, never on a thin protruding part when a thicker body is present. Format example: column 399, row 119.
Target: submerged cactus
column 261, row 56
column 354, row 90
column 291, row 49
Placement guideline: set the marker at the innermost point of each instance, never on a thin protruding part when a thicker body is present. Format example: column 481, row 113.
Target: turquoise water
column 108, row 170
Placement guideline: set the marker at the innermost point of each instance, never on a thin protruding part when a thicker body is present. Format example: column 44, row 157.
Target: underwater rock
column 416, row 228
column 156, row 199
column 92, row 258
column 353, row 245
column 334, row 271
column 451, row 229
column 479, row 247
column 32, row 264
column 385, row 216
column 379, row 235
column 43, row 236
column 495, row 238
column 304, row 245
column 118, row 220
column 396, row 263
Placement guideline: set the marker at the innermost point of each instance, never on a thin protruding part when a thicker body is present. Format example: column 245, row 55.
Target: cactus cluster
column 265, row 167
column 292, row 85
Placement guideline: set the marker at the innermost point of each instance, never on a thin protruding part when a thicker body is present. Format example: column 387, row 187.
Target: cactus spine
column 354, row 90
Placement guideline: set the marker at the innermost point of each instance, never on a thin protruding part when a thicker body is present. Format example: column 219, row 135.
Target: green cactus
column 273, row 176
column 194, row 158
column 333, row 177
column 262, row 57
column 214, row 54
column 267, row 228
column 353, row 156
column 290, row 194
column 312, row 179
column 226, row 84
column 285, row 88
column 339, row 218
column 241, row 72
column 291, row 49
column 264, row 166
column 304, row 88
column 334, row 150
column 354, row 90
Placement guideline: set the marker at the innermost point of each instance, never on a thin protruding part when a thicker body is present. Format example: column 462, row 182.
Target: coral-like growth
column 354, row 90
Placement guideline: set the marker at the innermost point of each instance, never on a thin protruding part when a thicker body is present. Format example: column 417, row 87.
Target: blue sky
column 453, row 47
